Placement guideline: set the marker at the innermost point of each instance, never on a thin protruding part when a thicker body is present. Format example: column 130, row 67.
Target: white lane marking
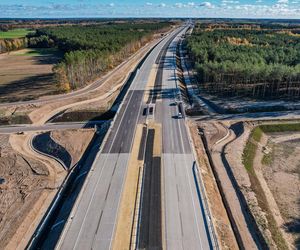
column 104, row 165
column 190, row 187
column 134, row 85
column 119, row 200
column 189, row 181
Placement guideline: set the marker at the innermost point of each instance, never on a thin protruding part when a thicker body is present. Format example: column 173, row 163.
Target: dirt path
column 227, row 180
column 225, row 235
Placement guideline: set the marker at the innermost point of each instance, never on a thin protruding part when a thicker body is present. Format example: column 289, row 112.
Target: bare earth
column 283, row 179
column 279, row 181
column 23, row 181
column 74, row 141
column 29, row 181
column 218, row 138
column 25, row 77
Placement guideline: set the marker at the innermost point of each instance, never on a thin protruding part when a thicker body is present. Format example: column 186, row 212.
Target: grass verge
column 283, row 127
column 250, row 149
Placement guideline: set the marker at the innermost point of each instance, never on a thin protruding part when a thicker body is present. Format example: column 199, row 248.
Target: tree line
column 7, row 45
column 255, row 63
column 91, row 50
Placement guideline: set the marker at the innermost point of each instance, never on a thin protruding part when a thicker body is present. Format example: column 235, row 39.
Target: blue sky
column 135, row 8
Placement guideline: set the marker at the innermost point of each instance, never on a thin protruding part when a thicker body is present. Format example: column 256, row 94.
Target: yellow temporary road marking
column 127, row 208
column 150, row 83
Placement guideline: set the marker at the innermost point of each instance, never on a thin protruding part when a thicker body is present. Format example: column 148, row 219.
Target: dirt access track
column 218, row 136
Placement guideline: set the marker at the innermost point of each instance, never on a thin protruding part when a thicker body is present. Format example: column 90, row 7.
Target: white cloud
column 179, row 5
column 206, row 4
column 187, row 5
column 191, row 4
column 283, row 1
column 230, row 2
column 225, row 8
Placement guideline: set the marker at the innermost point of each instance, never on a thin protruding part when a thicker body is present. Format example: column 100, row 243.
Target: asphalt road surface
column 92, row 221
column 47, row 127
column 150, row 229
column 185, row 223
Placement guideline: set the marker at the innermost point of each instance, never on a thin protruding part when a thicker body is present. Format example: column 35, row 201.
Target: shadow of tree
column 293, row 227
column 28, row 88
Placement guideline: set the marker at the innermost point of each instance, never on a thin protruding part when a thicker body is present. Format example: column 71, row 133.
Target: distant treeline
column 255, row 63
column 91, row 50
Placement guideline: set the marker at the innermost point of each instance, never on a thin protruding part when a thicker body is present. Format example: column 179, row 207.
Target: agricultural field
column 27, row 74
column 15, row 33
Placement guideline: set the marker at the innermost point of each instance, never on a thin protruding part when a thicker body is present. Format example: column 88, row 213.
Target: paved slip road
column 48, row 127
column 185, row 223
column 92, row 221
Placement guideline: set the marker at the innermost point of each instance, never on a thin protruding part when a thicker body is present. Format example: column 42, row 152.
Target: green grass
column 283, row 127
column 267, row 159
column 256, row 134
column 250, row 148
column 15, row 33
column 248, row 155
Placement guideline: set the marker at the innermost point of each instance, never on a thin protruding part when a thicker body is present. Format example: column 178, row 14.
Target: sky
column 154, row 8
